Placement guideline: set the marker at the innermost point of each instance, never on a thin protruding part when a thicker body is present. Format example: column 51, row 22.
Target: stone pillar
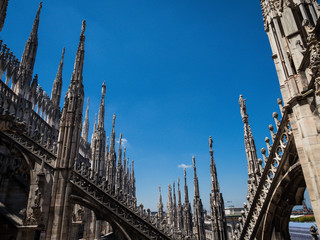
column 60, row 213
column 306, row 128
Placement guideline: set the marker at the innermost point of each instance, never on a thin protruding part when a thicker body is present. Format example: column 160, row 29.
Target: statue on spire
column 243, row 108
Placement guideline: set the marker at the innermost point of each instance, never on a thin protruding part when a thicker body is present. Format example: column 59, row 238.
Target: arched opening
column 302, row 219
column 86, row 225
column 98, row 221
column 288, row 193
column 14, row 189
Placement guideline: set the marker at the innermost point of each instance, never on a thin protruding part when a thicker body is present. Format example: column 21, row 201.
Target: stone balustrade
column 256, row 202
column 21, row 109
column 117, row 202
column 39, row 99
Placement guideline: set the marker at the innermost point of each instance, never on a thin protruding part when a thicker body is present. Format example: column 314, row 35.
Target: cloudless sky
column 173, row 70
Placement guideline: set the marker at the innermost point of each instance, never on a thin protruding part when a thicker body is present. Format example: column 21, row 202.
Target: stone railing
column 40, row 101
column 21, row 110
column 119, row 204
column 41, row 155
column 249, row 221
column 9, row 64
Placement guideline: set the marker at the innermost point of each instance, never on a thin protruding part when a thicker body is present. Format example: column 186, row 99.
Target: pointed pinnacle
column 60, row 68
column 83, row 29
column 85, row 127
column 87, row 111
column 78, row 63
column 102, row 108
column 95, row 122
column 36, row 21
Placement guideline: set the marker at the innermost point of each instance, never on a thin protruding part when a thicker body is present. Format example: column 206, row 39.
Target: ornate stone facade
column 290, row 160
column 52, row 180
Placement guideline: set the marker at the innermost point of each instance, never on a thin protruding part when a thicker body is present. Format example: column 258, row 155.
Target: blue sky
column 173, row 70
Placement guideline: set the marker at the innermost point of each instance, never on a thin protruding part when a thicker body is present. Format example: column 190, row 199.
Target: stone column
column 306, row 128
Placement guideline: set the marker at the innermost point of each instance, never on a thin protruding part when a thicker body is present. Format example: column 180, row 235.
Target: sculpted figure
column 243, row 108
column 210, row 143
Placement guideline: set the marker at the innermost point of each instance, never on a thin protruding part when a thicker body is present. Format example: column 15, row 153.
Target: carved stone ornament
column 314, row 48
column 36, row 216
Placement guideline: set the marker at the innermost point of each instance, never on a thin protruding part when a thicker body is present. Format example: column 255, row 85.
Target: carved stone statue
column 210, row 143
column 243, row 108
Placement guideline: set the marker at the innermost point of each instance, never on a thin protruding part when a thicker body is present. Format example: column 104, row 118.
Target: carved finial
column 279, row 101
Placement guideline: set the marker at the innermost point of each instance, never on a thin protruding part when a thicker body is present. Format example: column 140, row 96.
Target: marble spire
column 98, row 142
column 174, row 207
column 195, row 179
column 78, row 64
column 133, row 181
column 169, row 207
column 179, row 209
column 198, row 218
column 57, row 84
column 218, row 220
column 102, row 108
column 251, row 152
column 128, row 176
column 124, row 174
column 85, row 126
column 28, row 58
column 119, row 167
column 112, row 168
column 3, row 12
column 113, row 135
column 95, row 122
column 160, row 206
column 187, row 217
column 60, row 223
column 106, row 158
